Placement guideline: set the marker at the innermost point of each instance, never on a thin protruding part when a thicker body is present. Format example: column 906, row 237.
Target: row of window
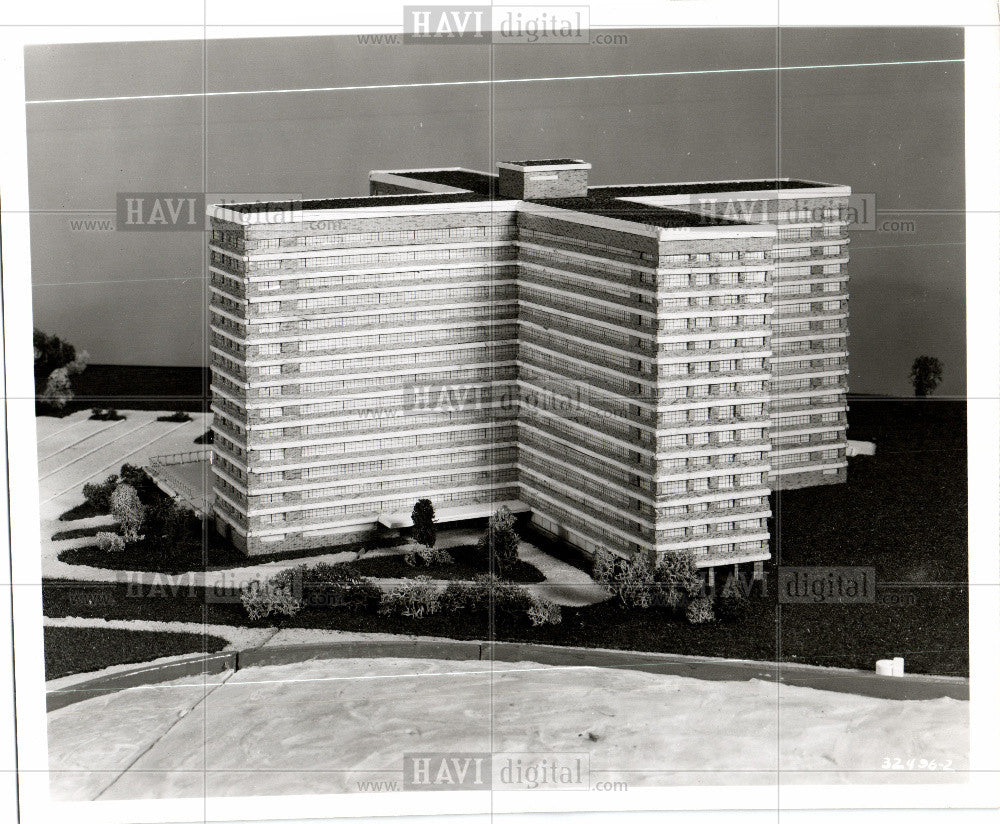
column 717, row 482
column 380, row 238
column 680, row 533
column 495, row 433
column 708, row 508
column 806, row 457
column 694, row 440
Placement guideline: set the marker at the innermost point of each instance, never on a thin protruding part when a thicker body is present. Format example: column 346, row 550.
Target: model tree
column 56, row 361
column 925, row 375
column 424, row 528
column 498, row 545
column 128, row 511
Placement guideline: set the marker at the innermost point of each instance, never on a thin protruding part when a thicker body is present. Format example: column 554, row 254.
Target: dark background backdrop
column 139, row 298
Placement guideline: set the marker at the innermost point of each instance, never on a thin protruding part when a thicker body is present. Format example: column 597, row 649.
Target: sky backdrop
column 140, row 297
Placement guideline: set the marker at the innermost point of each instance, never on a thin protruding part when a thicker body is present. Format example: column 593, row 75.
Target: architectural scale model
column 637, row 366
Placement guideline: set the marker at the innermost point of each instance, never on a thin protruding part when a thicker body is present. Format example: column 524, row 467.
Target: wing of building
column 638, row 366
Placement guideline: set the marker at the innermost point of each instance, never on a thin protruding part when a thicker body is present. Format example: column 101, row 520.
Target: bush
column 415, row 599
column 262, row 600
column 678, row 573
column 330, row 585
column 465, row 596
column 98, row 414
column 110, row 542
column 128, row 511
column 699, row 610
column 476, row 596
column 631, row 581
column 99, row 495
column 497, row 548
column 427, row 557
column 732, row 605
column 543, row 611
column 642, row 582
column 176, row 417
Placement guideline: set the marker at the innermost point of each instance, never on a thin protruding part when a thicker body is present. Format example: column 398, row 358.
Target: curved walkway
column 564, row 584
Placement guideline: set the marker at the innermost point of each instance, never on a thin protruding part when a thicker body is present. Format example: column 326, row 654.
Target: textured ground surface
column 325, row 726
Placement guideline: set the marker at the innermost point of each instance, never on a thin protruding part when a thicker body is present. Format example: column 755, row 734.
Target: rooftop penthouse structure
column 636, row 366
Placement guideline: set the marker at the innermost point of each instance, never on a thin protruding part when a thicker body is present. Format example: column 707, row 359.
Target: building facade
column 636, row 366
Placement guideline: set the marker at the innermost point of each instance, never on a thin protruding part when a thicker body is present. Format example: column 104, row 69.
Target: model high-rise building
column 637, row 366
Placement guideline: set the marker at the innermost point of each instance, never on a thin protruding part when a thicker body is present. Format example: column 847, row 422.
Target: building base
column 800, row 480
column 295, row 542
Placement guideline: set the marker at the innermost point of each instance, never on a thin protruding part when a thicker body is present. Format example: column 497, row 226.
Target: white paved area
column 326, row 726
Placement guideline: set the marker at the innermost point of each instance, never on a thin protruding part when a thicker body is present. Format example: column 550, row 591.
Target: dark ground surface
column 159, row 388
column 903, row 512
column 465, row 567
column 69, row 650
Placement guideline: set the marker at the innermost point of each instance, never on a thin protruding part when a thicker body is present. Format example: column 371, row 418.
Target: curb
column 855, row 682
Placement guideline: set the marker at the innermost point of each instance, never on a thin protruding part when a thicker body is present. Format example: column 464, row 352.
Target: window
column 269, row 307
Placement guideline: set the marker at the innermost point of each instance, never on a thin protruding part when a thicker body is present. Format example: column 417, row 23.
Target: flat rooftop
column 605, row 201
column 480, row 183
column 707, row 187
column 661, row 216
column 363, row 202
column 558, row 161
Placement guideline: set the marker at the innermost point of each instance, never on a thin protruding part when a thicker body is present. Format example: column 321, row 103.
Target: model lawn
column 901, row 512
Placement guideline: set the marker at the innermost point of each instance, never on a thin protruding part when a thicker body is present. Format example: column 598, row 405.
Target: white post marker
column 883, row 667
column 897, row 667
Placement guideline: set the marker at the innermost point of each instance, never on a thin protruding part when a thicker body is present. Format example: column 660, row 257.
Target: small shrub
column 414, row 599
column 263, row 600
column 631, row 581
column 425, row 556
column 678, row 571
column 98, row 414
column 543, row 611
column 497, row 548
column 643, row 581
column 465, row 596
column 699, row 610
column 110, row 542
column 338, row 585
column 99, row 495
column 175, row 417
